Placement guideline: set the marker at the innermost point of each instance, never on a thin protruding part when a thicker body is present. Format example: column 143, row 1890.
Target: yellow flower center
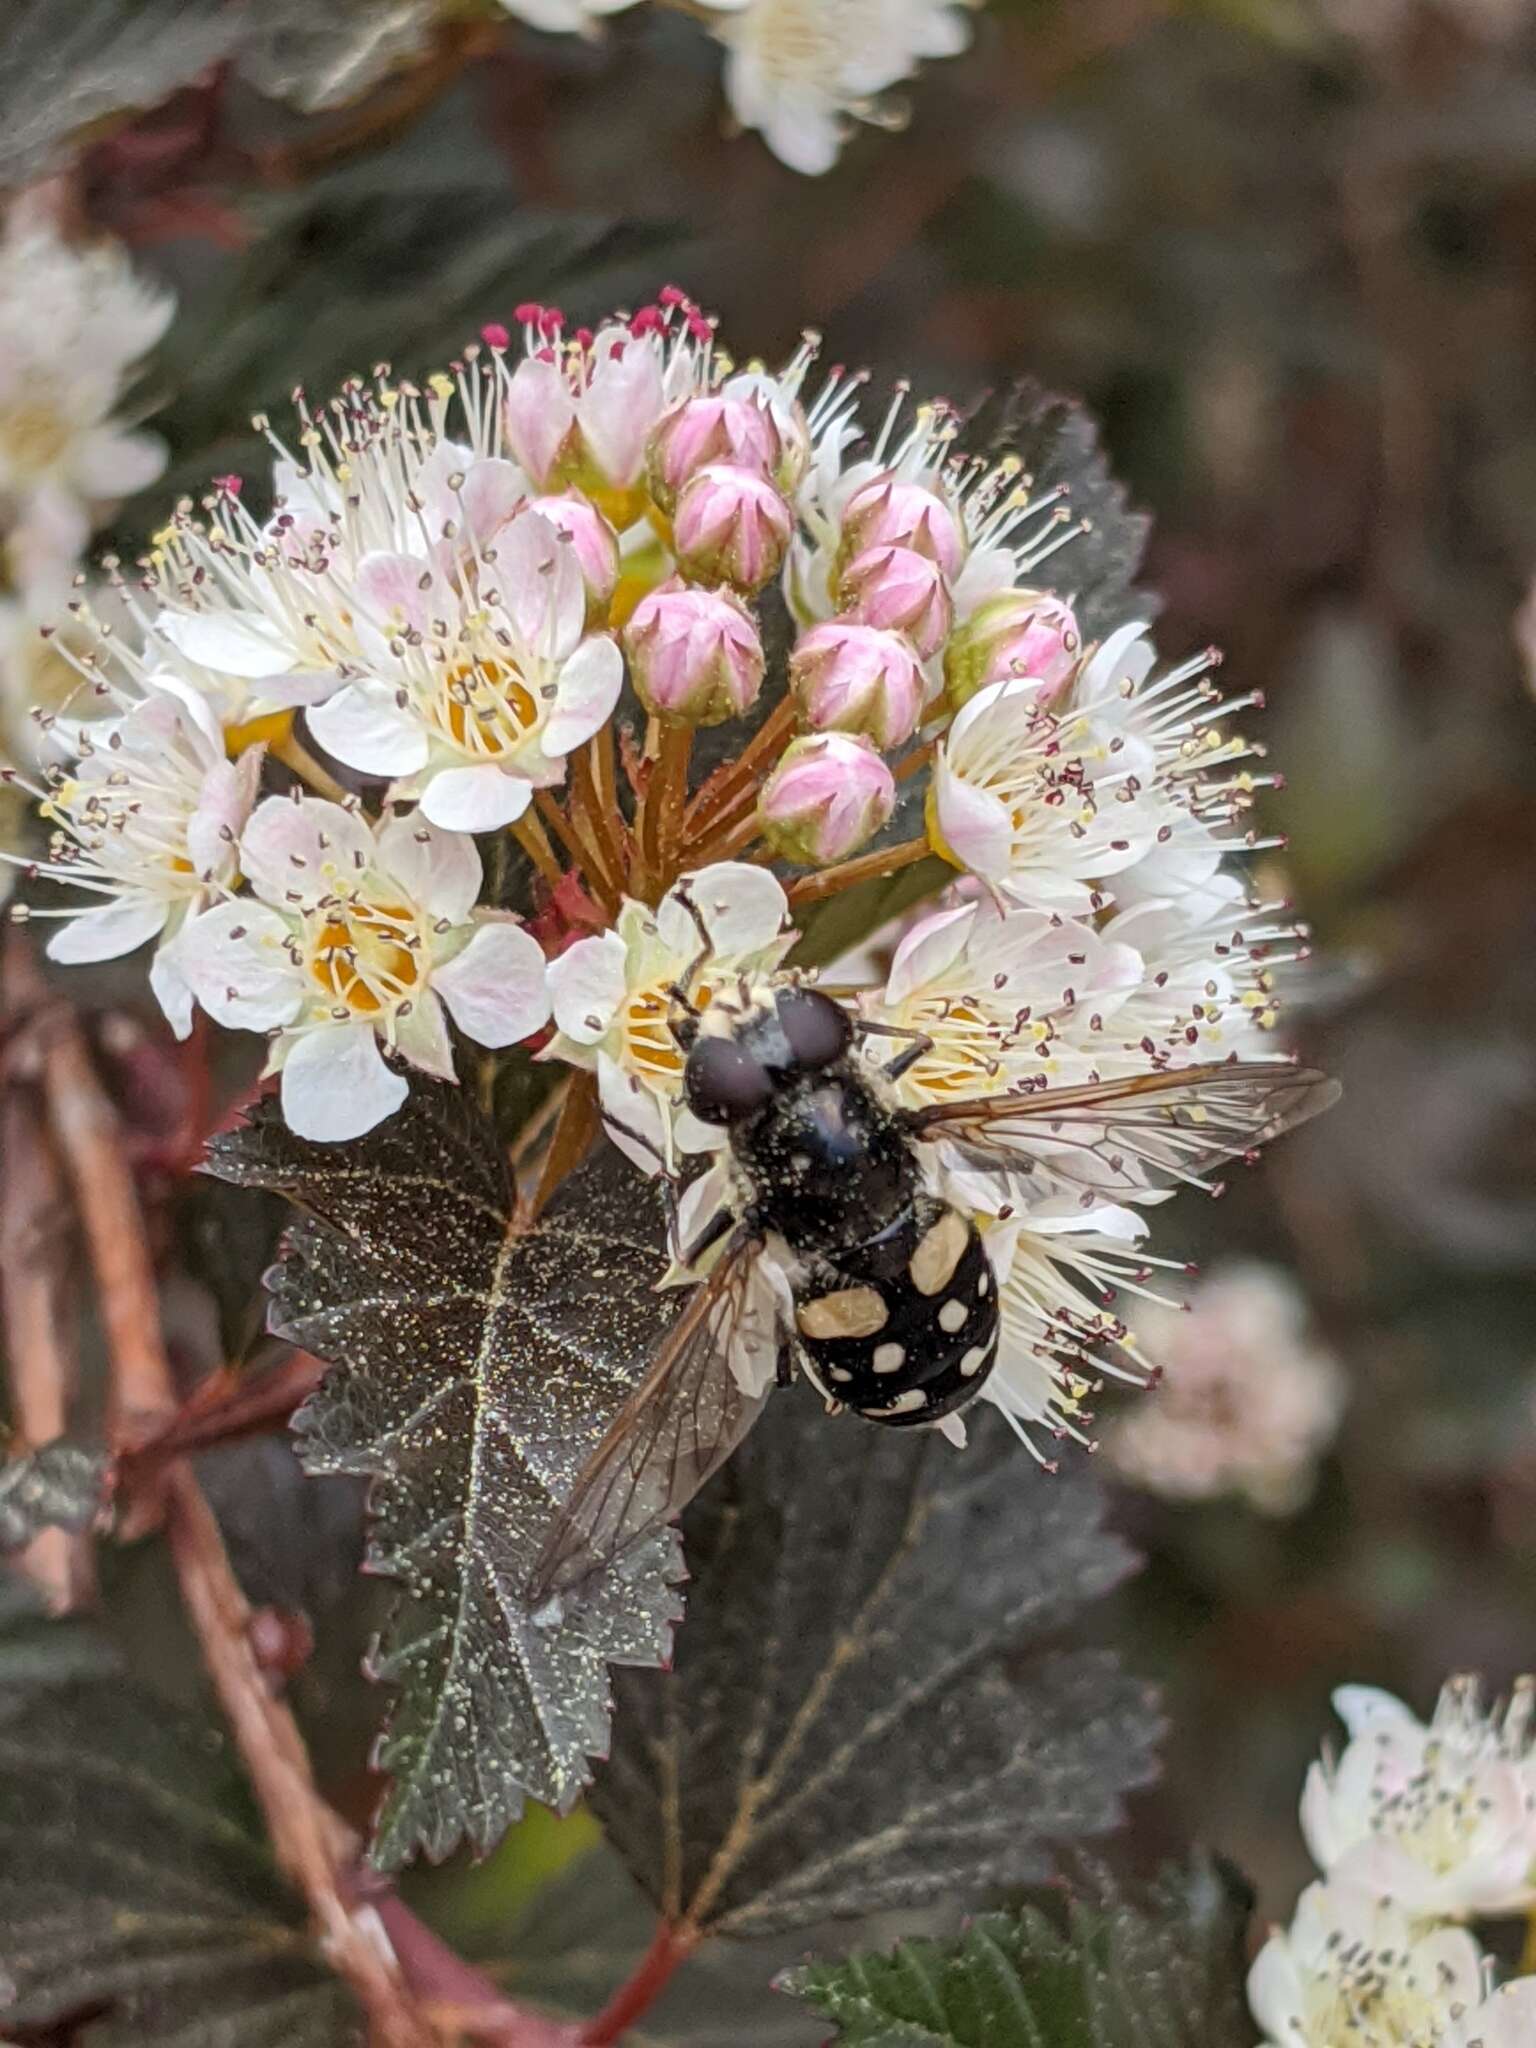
column 650, row 1048
column 485, row 709
column 366, row 958
column 34, row 433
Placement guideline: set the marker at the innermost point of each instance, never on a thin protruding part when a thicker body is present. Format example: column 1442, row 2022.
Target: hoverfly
column 891, row 1309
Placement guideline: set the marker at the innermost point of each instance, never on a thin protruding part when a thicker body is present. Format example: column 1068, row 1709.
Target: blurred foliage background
column 1288, row 257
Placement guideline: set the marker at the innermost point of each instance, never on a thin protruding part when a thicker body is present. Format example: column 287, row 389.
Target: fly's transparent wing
column 1132, row 1137
column 678, row 1427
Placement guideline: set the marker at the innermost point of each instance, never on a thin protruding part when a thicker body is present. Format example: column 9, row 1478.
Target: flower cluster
column 801, row 71
column 467, row 724
column 1248, row 1400
column 1416, row 1830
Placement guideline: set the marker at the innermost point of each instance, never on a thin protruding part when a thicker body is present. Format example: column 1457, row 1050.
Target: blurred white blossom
column 1354, row 1970
column 1441, row 1817
column 1248, row 1400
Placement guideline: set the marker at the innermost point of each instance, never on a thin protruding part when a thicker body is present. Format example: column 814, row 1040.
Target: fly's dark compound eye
column 723, row 1083
column 817, row 1030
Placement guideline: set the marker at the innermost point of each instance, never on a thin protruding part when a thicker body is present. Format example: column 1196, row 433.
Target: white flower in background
column 1008, row 998
column 73, row 320
column 802, row 71
column 1354, row 1970
column 1505, row 2019
column 472, row 700
column 147, row 819
column 564, row 17
column 1248, row 1400
column 359, row 935
column 613, row 1002
column 1443, row 1817
column 1041, row 808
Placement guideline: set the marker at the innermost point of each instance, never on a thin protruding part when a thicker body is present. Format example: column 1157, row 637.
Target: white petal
column 400, row 590
column 106, row 934
column 223, row 806
column 440, row 870
column 539, row 578
column 974, row 824
column 495, row 988
column 475, row 799
column 172, row 990
column 743, row 907
column 295, row 853
column 633, row 1117
column 493, row 490
column 231, row 643
column 110, row 464
column 365, row 725
column 421, row 1034
column 1367, row 1706
column 235, row 959
column 928, row 951
column 586, row 986
column 336, row 1085
column 590, row 683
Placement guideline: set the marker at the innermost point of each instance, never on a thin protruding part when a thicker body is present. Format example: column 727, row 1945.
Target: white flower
column 613, row 1001
column 1008, row 998
column 1505, row 2019
column 1443, row 1817
column 801, row 70
column 72, row 321
column 1248, row 1400
column 1354, row 1970
column 471, row 702
column 564, row 17
column 1041, row 807
column 1059, row 1266
column 359, row 934
column 147, row 820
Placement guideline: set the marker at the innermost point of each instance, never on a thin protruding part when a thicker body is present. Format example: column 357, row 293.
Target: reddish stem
column 645, row 1984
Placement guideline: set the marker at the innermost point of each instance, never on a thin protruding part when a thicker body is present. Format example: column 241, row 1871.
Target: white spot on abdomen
column 952, row 1316
column 889, row 1357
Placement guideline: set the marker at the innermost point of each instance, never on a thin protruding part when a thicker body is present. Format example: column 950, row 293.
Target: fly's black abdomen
column 902, row 1327
column 829, row 1163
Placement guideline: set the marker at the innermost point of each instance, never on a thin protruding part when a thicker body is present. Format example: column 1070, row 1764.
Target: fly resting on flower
column 882, row 1293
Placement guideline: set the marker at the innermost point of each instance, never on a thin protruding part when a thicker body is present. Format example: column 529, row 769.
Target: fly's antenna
column 685, row 1027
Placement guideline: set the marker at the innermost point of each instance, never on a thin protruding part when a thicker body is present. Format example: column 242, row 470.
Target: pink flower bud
column 903, row 591
column 889, row 511
column 850, row 677
column 730, row 525
column 829, row 794
column 694, row 655
column 739, row 431
column 596, row 545
column 1026, row 633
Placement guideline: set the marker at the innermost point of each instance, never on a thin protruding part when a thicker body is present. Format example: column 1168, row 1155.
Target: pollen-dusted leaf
column 1058, row 443
column 474, row 1371
column 1163, row 1971
column 135, row 1886
column 57, row 1486
column 866, row 1709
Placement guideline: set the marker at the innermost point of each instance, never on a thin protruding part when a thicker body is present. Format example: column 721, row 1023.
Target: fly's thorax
column 829, row 1163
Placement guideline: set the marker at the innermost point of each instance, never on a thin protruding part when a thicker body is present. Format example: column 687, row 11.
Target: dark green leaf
column 865, row 1712
column 1165, row 1971
column 1058, row 443
column 475, row 1371
column 135, row 1886
column 65, row 64
column 582, row 1936
column 58, row 1486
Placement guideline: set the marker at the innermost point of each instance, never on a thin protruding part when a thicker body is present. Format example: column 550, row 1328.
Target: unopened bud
column 694, row 655
column 596, row 547
column 849, row 677
column 829, row 795
column 731, row 525
column 889, row 511
column 903, row 591
column 1019, row 633
column 700, row 431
